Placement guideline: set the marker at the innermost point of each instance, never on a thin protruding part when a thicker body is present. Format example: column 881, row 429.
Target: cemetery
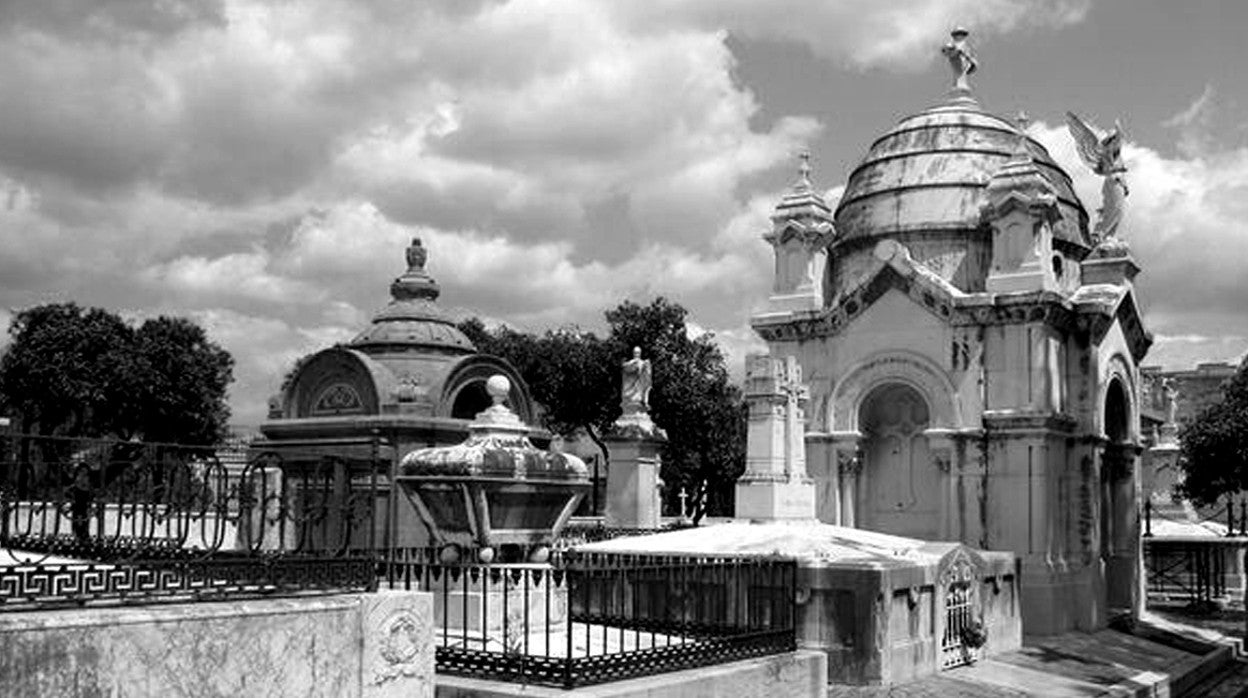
column 944, row 462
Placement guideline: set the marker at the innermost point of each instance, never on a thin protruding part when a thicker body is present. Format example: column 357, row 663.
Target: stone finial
column 416, row 256
column 415, row 283
column 498, row 387
column 1022, row 121
column 803, row 172
column 961, row 58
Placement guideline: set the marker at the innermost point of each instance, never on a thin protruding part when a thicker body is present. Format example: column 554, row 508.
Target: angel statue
column 1103, row 154
column 635, row 395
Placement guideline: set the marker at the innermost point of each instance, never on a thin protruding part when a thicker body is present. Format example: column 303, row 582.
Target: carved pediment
column 1103, row 305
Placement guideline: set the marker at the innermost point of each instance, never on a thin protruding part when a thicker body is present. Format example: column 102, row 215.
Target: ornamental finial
column 1022, row 121
column 803, row 172
column 961, row 58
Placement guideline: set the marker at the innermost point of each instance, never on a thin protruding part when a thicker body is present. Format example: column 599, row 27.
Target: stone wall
column 366, row 645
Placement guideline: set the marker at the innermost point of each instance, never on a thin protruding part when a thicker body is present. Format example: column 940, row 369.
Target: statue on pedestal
column 1103, row 155
column 635, row 396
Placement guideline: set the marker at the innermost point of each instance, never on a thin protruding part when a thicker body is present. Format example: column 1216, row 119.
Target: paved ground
column 1166, row 654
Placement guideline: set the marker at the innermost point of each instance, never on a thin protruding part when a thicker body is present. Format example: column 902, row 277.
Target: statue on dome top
column 416, row 255
column 961, row 58
column 1102, row 152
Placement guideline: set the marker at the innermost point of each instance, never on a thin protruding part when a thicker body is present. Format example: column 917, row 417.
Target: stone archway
column 901, row 489
column 1119, row 524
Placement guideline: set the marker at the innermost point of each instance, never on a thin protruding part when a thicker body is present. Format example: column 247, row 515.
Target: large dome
column 924, row 184
column 929, row 174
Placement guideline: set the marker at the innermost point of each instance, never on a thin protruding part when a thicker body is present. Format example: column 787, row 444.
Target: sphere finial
column 498, row 387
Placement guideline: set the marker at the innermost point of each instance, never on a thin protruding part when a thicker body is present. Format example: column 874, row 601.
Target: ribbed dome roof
column 413, row 318
column 930, row 172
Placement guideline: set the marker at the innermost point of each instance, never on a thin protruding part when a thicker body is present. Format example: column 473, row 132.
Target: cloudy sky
column 260, row 166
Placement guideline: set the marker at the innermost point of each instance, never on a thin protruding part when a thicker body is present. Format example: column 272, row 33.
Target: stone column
column 940, row 446
column 775, row 484
column 848, row 473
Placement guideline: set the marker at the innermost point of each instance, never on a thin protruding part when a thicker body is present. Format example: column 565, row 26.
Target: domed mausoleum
column 411, row 372
column 411, row 379
column 970, row 351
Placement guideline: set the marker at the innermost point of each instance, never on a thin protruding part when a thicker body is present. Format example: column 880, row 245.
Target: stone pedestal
column 633, row 473
column 765, row 501
column 485, row 606
column 775, row 484
column 1110, row 263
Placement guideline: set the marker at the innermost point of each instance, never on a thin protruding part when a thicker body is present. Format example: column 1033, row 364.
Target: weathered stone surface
column 286, row 647
column 398, row 639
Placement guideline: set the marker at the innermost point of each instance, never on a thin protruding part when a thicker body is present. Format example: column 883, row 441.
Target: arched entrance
column 1119, row 523
column 901, row 489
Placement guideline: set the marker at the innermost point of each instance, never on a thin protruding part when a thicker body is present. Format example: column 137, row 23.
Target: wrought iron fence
column 593, row 530
column 90, row 520
column 592, row 618
column 1195, row 570
column 1194, row 555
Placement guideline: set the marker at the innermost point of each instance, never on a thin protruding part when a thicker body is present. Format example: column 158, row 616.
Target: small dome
column 413, row 318
column 930, row 174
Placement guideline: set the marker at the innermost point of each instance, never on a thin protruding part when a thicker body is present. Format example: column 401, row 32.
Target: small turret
column 801, row 229
column 1021, row 208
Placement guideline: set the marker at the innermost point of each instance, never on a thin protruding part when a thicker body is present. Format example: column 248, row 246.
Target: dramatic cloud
column 261, row 166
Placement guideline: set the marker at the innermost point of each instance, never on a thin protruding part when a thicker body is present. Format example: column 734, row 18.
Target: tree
column 575, row 376
column 1214, row 446
column 692, row 399
column 73, row 371
column 569, row 372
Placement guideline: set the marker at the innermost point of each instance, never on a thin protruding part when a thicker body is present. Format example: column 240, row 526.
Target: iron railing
column 105, row 521
column 1197, row 560
column 580, row 531
column 587, row 618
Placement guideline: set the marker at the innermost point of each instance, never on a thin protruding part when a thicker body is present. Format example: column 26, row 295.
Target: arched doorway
column 1119, row 521
column 900, row 492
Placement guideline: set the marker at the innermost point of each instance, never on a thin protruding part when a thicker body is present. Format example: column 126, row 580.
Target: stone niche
column 885, row 609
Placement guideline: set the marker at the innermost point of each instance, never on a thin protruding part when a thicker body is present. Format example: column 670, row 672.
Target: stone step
column 1229, row 681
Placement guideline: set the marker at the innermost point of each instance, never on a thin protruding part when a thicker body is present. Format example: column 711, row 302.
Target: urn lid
column 497, row 447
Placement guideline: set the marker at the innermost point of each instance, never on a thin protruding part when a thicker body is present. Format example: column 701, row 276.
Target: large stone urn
column 496, row 488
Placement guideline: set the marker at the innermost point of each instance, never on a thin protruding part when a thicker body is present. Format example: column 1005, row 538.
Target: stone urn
column 496, row 488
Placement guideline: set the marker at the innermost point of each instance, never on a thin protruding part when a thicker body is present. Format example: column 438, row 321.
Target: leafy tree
column 692, row 399
column 182, row 392
column 1214, row 446
column 575, row 376
column 570, row 374
column 73, row 371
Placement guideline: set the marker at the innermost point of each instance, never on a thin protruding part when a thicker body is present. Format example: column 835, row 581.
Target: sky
column 261, row 166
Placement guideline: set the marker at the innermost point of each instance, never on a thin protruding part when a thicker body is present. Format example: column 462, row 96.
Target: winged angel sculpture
column 1103, row 155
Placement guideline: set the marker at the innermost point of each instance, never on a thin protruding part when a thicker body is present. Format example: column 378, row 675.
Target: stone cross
column 683, row 497
column 796, row 396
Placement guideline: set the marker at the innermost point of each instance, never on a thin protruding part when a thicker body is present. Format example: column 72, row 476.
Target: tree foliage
column 1214, row 446
column 72, row 371
column 575, row 376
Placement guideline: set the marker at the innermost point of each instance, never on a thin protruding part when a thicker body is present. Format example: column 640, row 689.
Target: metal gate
column 959, row 618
